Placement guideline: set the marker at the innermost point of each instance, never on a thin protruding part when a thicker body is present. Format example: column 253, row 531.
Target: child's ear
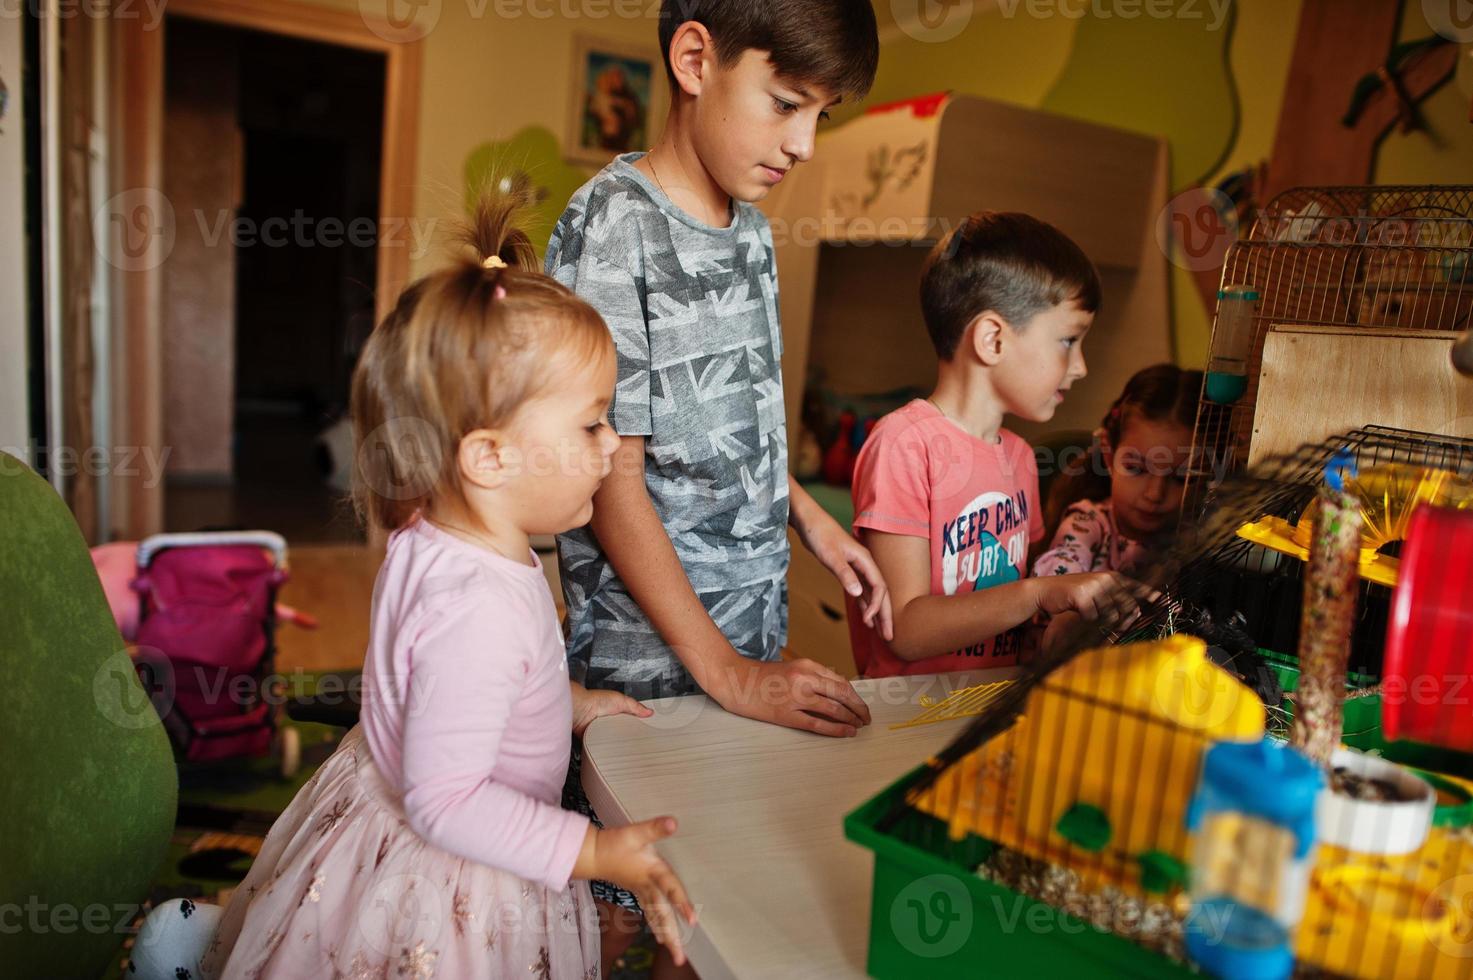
column 483, row 456
column 987, row 335
column 691, row 51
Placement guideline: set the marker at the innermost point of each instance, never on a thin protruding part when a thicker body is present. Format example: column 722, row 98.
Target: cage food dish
column 1389, row 494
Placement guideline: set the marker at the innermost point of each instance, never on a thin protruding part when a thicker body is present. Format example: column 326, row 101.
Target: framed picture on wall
column 616, row 88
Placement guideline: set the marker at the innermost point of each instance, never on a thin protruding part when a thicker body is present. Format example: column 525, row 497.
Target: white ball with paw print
column 172, row 940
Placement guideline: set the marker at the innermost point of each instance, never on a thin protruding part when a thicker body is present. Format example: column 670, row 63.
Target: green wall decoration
column 1158, row 74
column 535, row 152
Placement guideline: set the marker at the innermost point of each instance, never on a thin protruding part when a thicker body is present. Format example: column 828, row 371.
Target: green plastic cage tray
column 931, row 915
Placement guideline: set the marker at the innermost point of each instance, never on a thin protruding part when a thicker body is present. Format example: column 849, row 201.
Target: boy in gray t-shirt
column 678, row 582
column 693, row 310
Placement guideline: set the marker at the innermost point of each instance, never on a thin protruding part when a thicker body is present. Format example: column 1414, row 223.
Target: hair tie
column 493, row 262
column 500, row 292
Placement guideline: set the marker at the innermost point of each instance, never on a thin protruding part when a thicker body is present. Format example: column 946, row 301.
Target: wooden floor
column 334, row 582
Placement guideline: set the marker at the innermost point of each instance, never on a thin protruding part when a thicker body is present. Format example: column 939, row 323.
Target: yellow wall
column 1258, row 56
column 487, row 76
column 1025, row 60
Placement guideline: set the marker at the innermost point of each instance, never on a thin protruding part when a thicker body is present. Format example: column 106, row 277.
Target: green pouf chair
column 90, row 785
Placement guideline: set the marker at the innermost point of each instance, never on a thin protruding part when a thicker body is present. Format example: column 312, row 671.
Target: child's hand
column 837, row 550
column 799, row 694
column 1058, row 628
column 626, row 856
column 588, row 705
column 1107, row 597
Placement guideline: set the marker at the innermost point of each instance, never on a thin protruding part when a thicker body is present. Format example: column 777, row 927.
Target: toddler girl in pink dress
column 432, row 842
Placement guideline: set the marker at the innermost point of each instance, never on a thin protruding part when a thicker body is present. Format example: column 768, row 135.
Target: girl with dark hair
column 1128, row 489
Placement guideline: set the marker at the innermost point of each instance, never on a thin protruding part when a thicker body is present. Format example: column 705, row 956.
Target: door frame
column 137, row 506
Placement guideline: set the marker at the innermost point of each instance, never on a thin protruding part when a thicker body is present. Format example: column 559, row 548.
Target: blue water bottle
column 1253, row 821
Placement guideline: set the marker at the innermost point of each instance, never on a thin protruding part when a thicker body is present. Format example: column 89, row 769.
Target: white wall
column 14, row 420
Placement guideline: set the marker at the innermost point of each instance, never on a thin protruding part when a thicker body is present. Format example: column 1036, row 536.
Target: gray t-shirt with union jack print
column 694, row 315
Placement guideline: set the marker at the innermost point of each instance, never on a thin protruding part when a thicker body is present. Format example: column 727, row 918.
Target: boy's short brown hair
column 1010, row 263
column 833, row 43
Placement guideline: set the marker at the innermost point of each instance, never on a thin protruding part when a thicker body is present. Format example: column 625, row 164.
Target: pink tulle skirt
column 343, row 888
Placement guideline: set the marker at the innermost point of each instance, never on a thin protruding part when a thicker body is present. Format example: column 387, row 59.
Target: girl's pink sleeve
column 1076, row 544
column 469, row 665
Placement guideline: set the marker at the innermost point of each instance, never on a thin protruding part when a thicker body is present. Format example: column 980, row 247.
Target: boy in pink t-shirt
column 945, row 498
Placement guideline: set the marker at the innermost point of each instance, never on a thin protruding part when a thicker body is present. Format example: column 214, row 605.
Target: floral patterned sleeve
column 1078, row 545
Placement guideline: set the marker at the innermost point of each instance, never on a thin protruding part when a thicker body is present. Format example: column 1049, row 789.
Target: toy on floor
column 117, row 565
column 206, row 642
column 172, row 940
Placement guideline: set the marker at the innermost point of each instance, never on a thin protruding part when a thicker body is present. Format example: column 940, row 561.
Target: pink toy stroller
column 206, row 642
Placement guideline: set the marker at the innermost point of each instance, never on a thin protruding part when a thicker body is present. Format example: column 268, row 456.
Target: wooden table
column 761, row 847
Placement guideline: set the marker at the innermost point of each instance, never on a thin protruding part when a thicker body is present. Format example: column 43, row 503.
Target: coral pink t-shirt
column 977, row 505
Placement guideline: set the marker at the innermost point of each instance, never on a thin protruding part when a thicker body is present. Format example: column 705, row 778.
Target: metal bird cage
column 1335, row 257
column 1077, row 793
column 1228, row 576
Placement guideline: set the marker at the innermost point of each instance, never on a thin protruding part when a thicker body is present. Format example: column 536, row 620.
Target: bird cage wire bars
column 1342, row 257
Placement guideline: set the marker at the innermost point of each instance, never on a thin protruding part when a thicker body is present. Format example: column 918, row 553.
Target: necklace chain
column 473, row 536
column 650, row 158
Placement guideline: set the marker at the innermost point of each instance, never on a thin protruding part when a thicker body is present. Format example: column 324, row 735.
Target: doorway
column 272, row 161
column 218, row 298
